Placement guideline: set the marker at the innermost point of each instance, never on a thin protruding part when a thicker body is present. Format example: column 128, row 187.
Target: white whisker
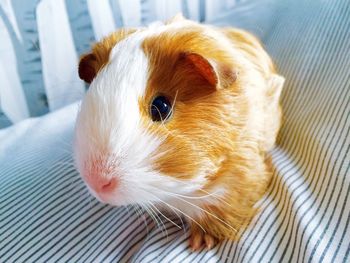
column 173, row 207
column 167, row 218
column 160, row 223
column 202, row 209
column 214, row 194
column 139, row 214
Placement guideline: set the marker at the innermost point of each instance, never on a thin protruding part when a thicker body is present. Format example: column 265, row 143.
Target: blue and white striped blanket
column 47, row 215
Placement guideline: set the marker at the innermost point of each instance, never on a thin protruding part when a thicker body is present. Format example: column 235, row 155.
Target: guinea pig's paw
column 199, row 239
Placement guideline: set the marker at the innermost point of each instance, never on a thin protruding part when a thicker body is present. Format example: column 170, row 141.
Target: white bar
column 167, row 9
column 131, row 12
column 101, row 17
column 59, row 58
column 8, row 10
column 213, row 8
column 12, row 98
column 193, row 9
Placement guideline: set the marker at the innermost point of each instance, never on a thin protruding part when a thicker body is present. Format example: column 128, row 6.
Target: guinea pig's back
column 268, row 110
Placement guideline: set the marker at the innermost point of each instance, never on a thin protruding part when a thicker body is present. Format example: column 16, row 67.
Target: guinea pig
column 180, row 116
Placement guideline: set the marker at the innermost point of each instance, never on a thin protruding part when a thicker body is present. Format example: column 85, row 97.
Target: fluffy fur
column 207, row 161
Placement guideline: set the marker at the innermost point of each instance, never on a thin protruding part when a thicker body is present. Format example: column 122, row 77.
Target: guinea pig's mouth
column 105, row 197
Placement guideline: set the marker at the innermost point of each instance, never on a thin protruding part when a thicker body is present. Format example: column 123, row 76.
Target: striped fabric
column 41, row 41
column 47, row 215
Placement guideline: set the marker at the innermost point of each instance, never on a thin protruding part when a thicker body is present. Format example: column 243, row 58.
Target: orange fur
column 225, row 116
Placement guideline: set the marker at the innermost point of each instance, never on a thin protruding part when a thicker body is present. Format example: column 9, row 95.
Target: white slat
column 166, row 9
column 213, row 8
column 12, row 97
column 59, row 58
column 193, row 9
column 131, row 12
column 9, row 12
column 101, row 17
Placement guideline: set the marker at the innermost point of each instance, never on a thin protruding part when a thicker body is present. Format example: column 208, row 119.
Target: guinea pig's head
column 155, row 120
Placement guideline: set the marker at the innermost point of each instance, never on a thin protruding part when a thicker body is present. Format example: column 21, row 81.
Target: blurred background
column 41, row 42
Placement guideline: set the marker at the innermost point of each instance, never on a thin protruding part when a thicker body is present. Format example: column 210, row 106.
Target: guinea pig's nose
column 102, row 184
column 109, row 185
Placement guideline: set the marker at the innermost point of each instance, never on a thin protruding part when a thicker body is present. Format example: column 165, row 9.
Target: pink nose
column 102, row 184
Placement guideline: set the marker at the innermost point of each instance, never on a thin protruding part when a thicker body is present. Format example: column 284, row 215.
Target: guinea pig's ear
column 215, row 74
column 88, row 67
column 91, row 63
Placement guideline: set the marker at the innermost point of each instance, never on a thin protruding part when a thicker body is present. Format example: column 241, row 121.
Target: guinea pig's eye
column 160, row 108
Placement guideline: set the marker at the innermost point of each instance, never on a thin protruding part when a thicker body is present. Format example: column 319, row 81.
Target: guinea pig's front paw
column 200, row 239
